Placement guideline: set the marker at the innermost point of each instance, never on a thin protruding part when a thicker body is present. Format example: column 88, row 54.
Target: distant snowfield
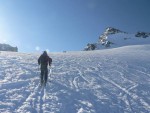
column 103, row 81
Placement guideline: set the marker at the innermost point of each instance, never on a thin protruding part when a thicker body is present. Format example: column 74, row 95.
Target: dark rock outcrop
column 142, row 34
column 7, row 47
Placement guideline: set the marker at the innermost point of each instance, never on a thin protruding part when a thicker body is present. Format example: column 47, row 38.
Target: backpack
column 44, row 60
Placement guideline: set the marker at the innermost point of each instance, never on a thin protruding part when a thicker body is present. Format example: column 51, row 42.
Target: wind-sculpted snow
column 103, row 81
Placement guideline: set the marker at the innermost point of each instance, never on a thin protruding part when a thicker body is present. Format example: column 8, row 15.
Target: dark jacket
column 44, row 60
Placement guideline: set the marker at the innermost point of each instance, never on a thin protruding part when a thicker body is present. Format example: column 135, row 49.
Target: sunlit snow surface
column 103, row 81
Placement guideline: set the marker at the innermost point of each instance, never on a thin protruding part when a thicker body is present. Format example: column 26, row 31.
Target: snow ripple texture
column 104, row 81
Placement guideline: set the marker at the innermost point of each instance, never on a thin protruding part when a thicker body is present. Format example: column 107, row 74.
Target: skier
column 44, row 60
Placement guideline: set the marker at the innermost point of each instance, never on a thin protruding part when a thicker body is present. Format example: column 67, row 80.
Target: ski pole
column 39, row 71
column 39, row 68
column 50, row 72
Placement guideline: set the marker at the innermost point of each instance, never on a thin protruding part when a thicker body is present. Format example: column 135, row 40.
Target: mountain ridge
column 113, row 37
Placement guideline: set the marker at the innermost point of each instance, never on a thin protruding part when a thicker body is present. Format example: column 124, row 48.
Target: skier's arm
column 39, row 60
column 50, row 61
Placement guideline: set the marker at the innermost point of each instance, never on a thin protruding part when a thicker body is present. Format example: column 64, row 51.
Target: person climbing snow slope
column 44, row 60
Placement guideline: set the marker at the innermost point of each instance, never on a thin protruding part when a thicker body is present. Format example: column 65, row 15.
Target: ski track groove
column 28, row 100
column 132, row 95
column 143, row 73
column 75, row 83
column 126, row 91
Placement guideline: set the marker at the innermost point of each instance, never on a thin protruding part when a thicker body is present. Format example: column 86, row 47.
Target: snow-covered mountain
column 113, row 38
column 103, row 81
column 7, row 47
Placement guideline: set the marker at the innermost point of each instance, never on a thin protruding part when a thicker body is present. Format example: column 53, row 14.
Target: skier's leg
column 46, row 74
column 42, row 74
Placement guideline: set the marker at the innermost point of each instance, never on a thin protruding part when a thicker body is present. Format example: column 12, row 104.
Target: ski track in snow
column 104, row 81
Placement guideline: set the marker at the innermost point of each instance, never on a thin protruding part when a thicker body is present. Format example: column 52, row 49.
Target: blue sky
column 67, row 25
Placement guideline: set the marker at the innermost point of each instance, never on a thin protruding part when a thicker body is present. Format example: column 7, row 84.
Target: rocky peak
column 108, row 31
column 113, row 37
column 111, row 30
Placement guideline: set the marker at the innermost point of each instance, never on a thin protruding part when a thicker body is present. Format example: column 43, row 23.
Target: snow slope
column 103, row 81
